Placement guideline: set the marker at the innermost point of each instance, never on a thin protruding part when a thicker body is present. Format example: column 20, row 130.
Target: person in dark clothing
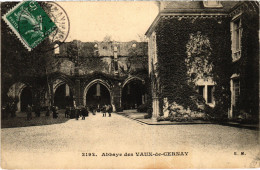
column 84, row 113
column 98, row 110
column 72, row 113
column 67, row 111
column 77, row 114
column 29, row 112
column 13, row 109
column 104, row 110
column 37, row 111
column 109, row 110
column 87, row 108
column 54, row 112
column 91, row 109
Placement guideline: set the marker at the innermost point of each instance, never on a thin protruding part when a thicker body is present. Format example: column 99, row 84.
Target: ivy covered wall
column 247, row 67
column 173, row 34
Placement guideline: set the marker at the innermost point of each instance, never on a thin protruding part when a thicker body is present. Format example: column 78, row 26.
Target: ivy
column 180, row 42
column 248, row 65
column 198, row 52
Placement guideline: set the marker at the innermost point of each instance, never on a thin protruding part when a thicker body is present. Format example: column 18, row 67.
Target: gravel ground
column 62, row 145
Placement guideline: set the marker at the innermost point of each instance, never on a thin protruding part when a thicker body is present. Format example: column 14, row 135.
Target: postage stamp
column 30, row 23
column 59, row 16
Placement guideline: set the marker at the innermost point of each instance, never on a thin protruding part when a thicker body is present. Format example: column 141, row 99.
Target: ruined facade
column 90, row 73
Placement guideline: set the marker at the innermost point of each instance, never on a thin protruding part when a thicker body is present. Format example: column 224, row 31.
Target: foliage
column 178, row 113
column 107, row 38
column 248, row 65
column 93, row 64
column 143, row 108
column 198, row 52
column 72, row 50
column 137, row 58
column 172, row 37
column 160, row 118
column 18, row 64
column 150, row 113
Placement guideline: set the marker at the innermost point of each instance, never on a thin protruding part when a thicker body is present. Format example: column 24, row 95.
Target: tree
column 18, row 64
column 107, row 38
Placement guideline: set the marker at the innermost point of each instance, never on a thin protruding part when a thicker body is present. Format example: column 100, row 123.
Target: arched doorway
column 63, row 96
column 25, row 98
column 133, row 94
column 96, row 94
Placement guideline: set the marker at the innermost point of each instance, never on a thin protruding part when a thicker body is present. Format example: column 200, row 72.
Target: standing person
column 54, row 112
column 109, row 110
column 83, row 113
column 87, row 111
column 13, row 109
column 29, row 112
column 72, row 113
column 104, row 110
column 67, row 112
column 37, row 110
column 91, row 108
column 77, row 113
column 98, row 109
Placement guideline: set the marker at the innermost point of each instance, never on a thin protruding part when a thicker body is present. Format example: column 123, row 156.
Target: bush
column 244, row 117
column 150, row 114
column 160, row 118
column 143, row 108
column 119, row 109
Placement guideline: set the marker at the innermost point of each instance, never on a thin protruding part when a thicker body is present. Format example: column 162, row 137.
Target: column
column 116, row 95
column 77, row 91
column 67, row 90
column 156, row 109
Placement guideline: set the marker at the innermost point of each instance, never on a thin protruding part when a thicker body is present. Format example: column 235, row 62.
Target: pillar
column 67, row 90
column 156, row 107
column 77, row 92
column 116, row 96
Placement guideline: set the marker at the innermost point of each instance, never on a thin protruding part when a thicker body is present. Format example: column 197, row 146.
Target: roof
column 168, row 8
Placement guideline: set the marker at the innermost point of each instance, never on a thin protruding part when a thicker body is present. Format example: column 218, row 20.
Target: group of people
column 37, row 111
column 72, row 112
column 106, row 109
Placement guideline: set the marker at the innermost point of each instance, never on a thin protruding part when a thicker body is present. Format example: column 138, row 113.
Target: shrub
column 119, row 109
column 160, row 118
column 150, row 114
column 143, row 108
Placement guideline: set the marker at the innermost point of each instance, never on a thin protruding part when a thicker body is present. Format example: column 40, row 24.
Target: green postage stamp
column 30, row 23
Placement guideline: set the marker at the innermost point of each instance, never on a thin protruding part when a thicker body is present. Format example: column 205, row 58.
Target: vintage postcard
column 129, row 84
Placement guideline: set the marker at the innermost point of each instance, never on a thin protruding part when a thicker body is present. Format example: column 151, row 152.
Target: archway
column 25, row 98
column 63, row 96
column 133, row 94
column 97, row 94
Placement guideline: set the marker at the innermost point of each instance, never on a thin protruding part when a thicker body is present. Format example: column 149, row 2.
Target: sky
column 123, row 21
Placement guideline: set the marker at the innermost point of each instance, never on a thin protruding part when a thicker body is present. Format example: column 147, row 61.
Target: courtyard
column 110, row 139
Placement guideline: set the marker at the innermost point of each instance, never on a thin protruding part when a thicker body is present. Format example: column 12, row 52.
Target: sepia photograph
column 129, row 84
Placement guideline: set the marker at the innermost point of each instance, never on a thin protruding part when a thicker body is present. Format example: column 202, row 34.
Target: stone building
column 91, row 73
column 222, row 38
